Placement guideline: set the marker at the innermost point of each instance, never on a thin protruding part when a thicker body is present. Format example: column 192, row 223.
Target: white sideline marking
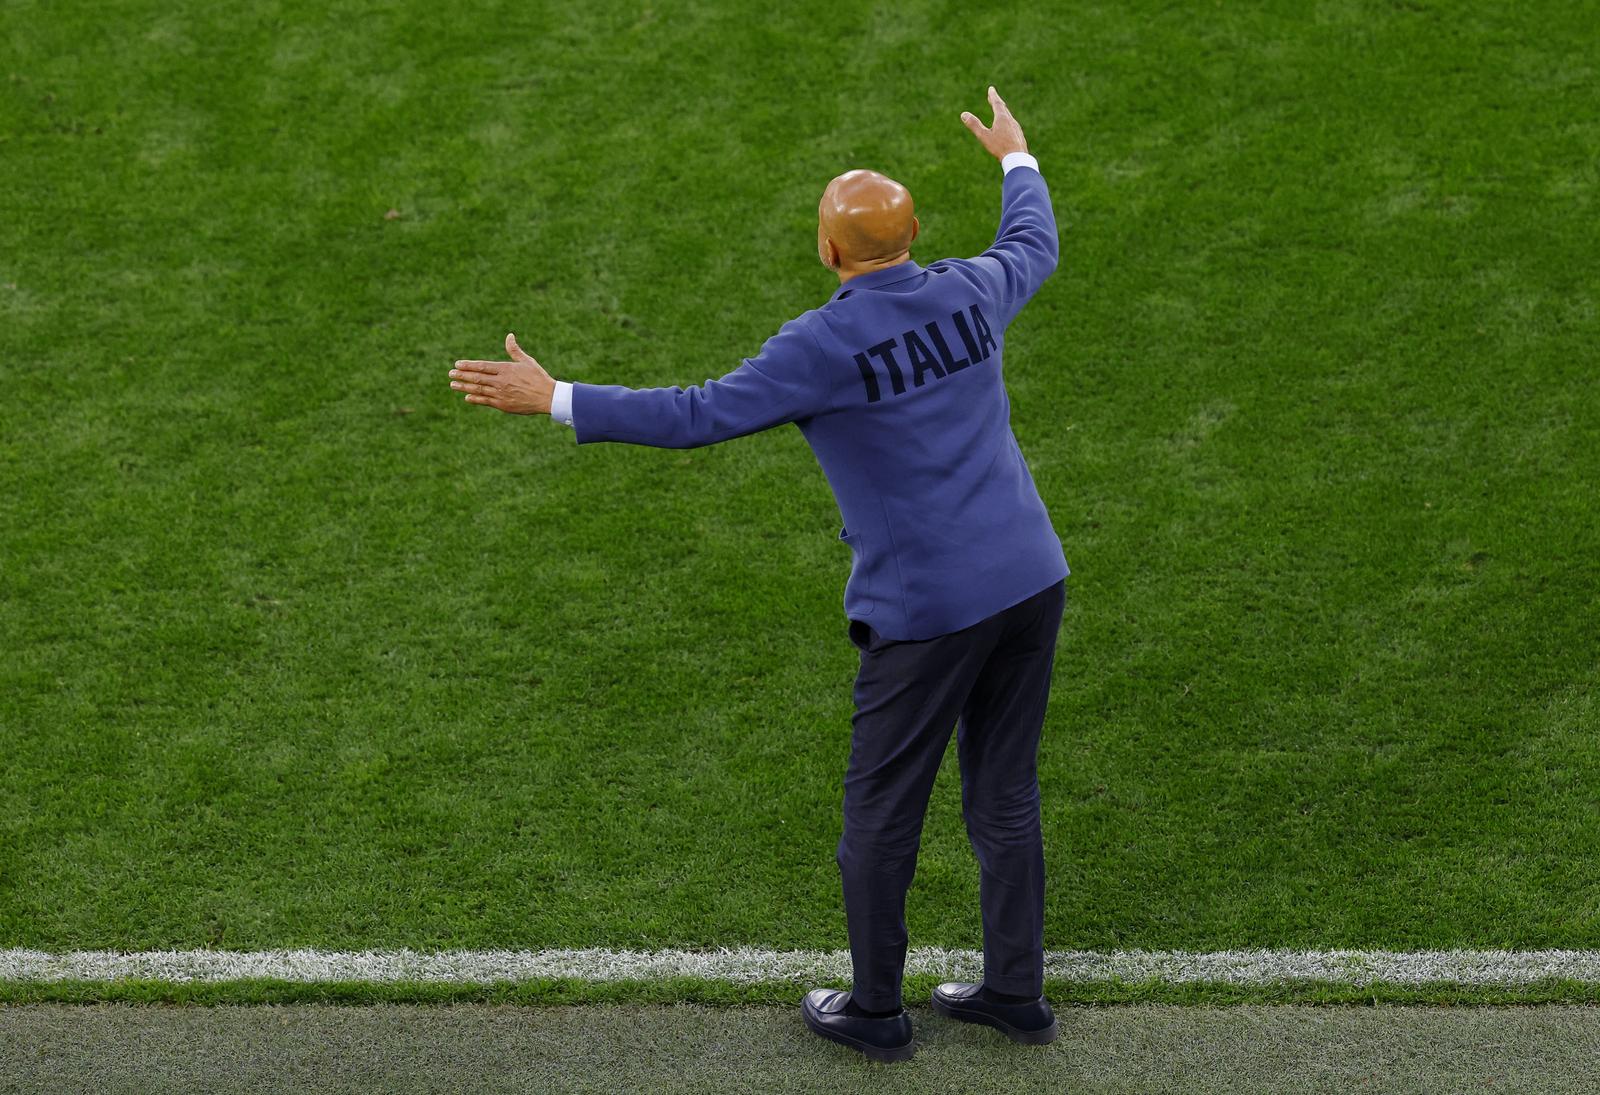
column 747, row 965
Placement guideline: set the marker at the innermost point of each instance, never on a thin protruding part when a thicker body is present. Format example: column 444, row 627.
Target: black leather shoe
column 887, row 1039
column 1032, row 1023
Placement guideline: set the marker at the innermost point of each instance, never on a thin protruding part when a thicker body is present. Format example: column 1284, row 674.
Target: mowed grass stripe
column 744, row 965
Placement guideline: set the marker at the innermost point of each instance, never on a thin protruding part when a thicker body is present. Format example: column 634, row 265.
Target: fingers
column 1002, row 113
column 486, row 394
column 479, row 380
column 969, row 120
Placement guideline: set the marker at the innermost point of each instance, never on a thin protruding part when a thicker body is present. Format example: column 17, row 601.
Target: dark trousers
column 995, row 678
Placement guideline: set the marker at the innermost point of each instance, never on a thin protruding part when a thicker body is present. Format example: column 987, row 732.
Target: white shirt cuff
column 561, row 403
column 1017, row 159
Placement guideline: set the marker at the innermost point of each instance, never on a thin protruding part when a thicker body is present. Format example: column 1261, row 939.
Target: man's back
column 938, row 504
column 896, row 384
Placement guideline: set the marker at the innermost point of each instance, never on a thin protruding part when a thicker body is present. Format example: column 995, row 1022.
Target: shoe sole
column 1040, row 1037
column 877, row 1053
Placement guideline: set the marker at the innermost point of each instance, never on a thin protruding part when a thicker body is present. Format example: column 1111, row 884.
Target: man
column 958, row 583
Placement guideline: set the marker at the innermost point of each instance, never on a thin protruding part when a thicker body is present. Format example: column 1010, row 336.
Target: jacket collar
column 888, row 275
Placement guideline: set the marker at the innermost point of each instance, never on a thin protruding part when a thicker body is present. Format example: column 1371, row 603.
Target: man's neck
column 853, row 270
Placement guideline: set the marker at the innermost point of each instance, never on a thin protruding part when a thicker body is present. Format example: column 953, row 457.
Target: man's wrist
column 561, row 403
column 1017, row 159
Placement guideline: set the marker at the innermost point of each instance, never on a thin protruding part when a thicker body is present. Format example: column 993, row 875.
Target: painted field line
column 748, row 966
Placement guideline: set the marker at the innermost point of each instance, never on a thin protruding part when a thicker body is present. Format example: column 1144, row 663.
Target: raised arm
column 1025, row 249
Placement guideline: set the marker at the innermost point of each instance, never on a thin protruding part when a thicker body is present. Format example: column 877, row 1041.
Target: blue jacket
column 896, row 384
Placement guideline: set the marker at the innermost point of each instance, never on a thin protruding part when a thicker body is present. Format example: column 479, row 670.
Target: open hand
column 518, row 386
column 1004, row 136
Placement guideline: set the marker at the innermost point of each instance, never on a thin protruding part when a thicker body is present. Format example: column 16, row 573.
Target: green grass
column 560, row 991
column 302, row 651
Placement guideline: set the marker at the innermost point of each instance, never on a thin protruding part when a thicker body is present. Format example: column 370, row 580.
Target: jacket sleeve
column 1025, row 249
column 783, row 382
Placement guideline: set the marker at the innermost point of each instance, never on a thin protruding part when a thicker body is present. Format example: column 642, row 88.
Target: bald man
column 957, row 586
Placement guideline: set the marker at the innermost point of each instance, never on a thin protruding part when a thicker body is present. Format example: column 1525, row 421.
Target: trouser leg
column 908, row 696
column 998, row 747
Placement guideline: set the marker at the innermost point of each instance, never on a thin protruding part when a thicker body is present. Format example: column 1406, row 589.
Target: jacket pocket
column 861, row 634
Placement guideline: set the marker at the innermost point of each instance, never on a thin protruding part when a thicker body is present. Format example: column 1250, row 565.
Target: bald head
column 864, row 222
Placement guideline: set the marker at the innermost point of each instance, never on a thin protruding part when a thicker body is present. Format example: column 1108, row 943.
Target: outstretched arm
column 783, row 382
column 1025, row 249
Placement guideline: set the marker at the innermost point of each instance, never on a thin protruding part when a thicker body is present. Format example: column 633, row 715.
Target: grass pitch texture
column 302, row 651
column 693, row 1049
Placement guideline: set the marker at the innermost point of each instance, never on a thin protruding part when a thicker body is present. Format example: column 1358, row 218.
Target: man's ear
column 832, row 260
column 916, row 226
